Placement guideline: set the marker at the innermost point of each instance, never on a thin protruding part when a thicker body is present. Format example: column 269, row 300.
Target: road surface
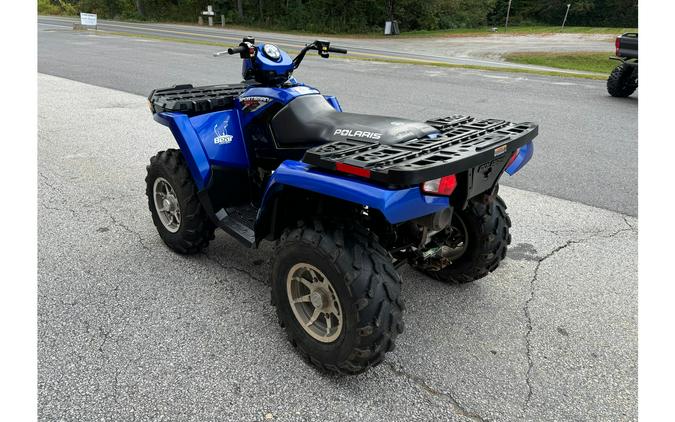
column 128, row 330
column 586, row 150
column 473, row 50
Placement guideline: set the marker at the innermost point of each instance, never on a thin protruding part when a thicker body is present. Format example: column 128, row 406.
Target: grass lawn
column 590, row 62
column 520, row 30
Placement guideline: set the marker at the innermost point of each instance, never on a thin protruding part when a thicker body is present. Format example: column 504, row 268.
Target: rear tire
column 366, row 288
column 486, row 224
column 622, row 81
column 187, row 230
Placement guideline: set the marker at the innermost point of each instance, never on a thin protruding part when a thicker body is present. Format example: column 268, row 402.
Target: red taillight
column 617, row 46
column 442, row 186
column 357, row 171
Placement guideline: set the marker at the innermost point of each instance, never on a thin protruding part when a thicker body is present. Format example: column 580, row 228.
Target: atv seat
column 310, row 120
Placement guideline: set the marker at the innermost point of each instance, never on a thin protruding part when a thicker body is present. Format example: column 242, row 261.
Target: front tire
column 480, row 235
column 176, row 211
column 344, row 277
column 622, row 81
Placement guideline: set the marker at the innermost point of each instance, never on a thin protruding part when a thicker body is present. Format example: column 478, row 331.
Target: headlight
column 272, row 51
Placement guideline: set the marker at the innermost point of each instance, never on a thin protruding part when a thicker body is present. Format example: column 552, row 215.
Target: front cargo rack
column 464, row 142
column 193, row 100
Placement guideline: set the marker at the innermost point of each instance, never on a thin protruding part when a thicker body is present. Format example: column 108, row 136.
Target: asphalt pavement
column 586, row 151
column 483, row 50
column 128, row 330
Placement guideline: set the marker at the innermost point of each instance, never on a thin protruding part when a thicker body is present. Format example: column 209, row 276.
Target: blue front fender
column 397, row 205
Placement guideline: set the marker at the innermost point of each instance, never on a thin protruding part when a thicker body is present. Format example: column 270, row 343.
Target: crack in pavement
column 50, row 208
column 126, row 228
column 110, row 215
column 231, row 267
column 47, row 182
column 526, row 307
column 455, row 406
column 625, row 220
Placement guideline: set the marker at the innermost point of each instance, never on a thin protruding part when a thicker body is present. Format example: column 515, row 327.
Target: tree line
column 356, row 16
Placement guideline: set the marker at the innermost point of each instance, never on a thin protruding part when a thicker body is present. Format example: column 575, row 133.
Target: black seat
column 310, row 120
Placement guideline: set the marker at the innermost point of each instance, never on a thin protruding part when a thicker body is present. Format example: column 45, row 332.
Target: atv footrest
column 462, row 142
column 193, row 100
column 239, row 223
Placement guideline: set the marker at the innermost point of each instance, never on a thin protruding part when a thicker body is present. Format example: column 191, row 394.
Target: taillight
column 617, row 46
column 356, row 171
column 442, row 186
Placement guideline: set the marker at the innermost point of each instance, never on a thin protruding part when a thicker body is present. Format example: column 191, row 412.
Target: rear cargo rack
column 464, row 142
column 193, row 100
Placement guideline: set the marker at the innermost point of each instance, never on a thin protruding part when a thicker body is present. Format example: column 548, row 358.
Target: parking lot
column 129, row 330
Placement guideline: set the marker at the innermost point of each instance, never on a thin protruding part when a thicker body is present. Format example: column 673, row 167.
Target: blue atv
column 346, row 198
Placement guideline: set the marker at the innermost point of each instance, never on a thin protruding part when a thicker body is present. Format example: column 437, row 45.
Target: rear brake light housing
column 443, row 186
column 617, row 46
column 349, row 169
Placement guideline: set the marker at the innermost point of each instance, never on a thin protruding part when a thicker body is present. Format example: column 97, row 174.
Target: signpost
column 87, row 21
column 565, row 18
column 508, row 12
column 210, row 13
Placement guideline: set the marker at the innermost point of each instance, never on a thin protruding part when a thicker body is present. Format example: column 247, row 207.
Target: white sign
column 88, row 19
column 209, row 11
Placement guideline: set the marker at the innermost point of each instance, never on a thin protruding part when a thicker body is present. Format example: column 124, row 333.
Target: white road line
column 50, row 24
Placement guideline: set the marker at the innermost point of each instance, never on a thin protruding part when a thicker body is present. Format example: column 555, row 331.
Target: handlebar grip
column 337, row 50
column 236, row 50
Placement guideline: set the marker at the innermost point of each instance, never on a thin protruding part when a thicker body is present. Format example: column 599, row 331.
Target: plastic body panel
column 284, row 66
column 333, row 102
column 397, row 205
column 281, row 66
column 522, row 158
column 189, row 143
column 206, row 140
column 283, row 95
column 222, row 138
column 279, row 95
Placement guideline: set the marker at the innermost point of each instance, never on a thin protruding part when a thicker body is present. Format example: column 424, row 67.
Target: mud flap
column 484, row 177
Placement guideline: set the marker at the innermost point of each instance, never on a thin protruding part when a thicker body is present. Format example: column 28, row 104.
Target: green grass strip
column 584, row 61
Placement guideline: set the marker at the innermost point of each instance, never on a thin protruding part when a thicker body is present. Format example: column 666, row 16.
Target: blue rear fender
column 396, row 205
column 524, row 154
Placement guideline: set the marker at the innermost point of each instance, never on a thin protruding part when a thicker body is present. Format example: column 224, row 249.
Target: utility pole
column 565, row 18
column 508, row 12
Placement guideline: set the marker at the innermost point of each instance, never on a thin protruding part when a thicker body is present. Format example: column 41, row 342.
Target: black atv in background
column 623, row 80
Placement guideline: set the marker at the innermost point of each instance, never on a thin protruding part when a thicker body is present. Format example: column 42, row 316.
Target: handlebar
column 246, row 50
column 236, row 50
column 337, row 50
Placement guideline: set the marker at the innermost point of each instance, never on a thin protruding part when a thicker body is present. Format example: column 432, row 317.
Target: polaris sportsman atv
column 347, row 198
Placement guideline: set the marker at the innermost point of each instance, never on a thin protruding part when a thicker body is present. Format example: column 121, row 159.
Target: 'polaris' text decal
column 357, row 133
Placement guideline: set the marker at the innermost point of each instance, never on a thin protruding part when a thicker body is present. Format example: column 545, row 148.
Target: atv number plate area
column 463, row 142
